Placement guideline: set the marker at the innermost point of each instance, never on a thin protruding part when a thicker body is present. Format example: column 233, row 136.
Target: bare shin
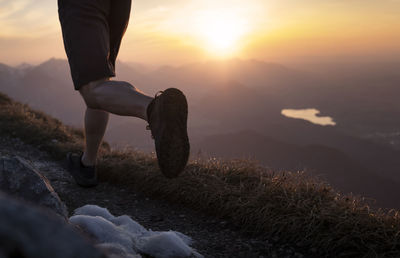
column 103, row 97
column 95, row 126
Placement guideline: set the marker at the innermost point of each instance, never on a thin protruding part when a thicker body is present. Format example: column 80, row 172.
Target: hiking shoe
column 167, row 118
column 84, row 176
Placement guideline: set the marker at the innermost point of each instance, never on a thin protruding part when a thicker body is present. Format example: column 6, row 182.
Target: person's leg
column 105, row 96
column 117, row 97
column 95, row 127
column 92, row 33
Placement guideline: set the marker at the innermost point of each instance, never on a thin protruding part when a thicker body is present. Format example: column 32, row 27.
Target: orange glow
column 220, row 32
column 176, row 32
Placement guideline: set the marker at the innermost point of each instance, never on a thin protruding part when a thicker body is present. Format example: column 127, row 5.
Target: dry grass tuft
column 37, row 128
column 292, row 207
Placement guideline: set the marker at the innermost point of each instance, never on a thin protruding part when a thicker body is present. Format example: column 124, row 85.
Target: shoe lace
column 148, row 128
column 155, row 97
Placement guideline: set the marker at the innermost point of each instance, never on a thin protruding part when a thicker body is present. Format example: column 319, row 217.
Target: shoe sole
column 173, row 148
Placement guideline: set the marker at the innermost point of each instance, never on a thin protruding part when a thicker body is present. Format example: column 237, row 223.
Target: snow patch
column 123, row 237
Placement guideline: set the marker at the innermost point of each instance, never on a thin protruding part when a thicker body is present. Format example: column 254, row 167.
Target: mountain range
column 235, row 111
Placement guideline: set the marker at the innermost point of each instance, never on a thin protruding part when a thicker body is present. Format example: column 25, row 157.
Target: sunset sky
column 182, row 31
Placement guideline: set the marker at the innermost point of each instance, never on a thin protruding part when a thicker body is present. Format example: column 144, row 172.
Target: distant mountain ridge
column 228, row 98
column 329, row 164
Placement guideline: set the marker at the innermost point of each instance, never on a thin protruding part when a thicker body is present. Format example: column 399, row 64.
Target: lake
column 309, row 114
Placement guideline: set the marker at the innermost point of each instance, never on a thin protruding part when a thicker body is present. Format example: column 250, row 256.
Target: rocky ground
column 212, row 237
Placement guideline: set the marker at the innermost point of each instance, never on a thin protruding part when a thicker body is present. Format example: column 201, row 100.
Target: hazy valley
column 235, row 111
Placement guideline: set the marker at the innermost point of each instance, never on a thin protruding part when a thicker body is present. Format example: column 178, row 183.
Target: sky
column 183, row 31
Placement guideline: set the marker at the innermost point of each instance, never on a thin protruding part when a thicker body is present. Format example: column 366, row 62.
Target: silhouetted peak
column 24, row 66
column 53, row 63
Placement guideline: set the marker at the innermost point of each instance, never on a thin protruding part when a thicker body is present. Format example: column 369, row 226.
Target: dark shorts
column 92, row 32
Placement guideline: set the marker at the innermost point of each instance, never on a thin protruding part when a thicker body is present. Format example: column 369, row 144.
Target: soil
column 212, row 237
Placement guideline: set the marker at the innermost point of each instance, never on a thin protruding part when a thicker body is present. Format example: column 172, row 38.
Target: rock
column 123, row 237
column 21, row 180
column 27, row 231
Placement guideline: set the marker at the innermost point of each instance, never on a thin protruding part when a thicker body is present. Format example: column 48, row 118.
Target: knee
column 89, row 95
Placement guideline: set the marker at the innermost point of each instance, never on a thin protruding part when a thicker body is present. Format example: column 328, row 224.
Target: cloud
column 28, row 18
column 165, row 31
column 10, row 7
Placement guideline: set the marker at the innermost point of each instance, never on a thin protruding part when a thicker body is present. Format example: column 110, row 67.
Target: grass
column 292, row 207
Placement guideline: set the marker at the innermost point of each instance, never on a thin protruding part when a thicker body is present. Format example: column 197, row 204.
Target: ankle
column 85, row 161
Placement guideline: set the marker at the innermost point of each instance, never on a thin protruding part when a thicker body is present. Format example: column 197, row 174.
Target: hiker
column 92, row 33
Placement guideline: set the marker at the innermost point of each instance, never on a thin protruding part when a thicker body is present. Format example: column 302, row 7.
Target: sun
column 220, row 31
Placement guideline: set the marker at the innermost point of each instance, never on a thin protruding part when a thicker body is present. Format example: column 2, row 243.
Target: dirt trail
column 212, row 237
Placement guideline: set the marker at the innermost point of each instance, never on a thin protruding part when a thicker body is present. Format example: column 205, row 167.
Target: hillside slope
column 290, row 207
column 330, row 164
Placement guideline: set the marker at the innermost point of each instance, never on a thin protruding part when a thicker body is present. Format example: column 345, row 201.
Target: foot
column 167, row 117
column 84, row 176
